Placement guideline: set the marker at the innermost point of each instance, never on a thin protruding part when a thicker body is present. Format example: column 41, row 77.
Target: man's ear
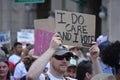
column 88, row 75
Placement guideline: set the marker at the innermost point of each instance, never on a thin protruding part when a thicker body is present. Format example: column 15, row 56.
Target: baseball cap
column 103, row 76
column 63, row 50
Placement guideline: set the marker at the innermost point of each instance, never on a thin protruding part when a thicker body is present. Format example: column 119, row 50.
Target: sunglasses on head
column 62, row 57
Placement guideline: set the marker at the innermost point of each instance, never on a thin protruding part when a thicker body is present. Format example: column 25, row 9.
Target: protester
column 103, row 42
column 58, row 64
column 21, row 68
column 88, row 68
column 94, row 56
column 59, row 58
column 105, row 68
column 17, row 53
column 4, row 69
column 79, row 55
column 16, row 56
column 71, row 71
column 111, row 56
column 84, row 70
column 26, row 50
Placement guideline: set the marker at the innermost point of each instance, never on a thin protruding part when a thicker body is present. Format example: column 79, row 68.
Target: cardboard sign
column 75, row 28
column 45, row 24
column 42, row 41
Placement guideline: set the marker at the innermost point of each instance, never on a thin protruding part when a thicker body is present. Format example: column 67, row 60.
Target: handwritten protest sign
column 75, row 28
column 42, row 41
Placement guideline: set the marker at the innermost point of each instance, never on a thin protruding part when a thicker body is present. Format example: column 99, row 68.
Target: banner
column 5, row 37
column 25, row 37
column 42, row 41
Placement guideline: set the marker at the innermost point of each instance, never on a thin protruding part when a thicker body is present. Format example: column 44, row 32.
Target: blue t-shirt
column 105, row 68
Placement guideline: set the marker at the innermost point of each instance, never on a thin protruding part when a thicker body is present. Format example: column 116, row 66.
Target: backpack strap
column 46, row 76
column 18, row 62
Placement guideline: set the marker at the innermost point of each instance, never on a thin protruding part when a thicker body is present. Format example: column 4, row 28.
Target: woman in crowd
column 4, row 70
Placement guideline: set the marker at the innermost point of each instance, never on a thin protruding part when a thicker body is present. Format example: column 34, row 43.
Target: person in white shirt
column 21, row 67
column 59, row 58
column 16, row 56
column 20, row 71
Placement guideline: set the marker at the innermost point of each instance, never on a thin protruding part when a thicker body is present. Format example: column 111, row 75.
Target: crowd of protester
column 65, row 62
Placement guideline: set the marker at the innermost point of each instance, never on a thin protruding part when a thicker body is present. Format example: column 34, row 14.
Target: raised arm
column 38, row 66
column 94, row 52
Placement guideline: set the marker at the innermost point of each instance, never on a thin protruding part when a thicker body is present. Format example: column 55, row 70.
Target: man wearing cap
column 79, row 55
column 71, row 71
column 59, row 58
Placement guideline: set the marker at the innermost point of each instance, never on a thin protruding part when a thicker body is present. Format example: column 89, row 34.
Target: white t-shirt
column 14, row 58
column 20, row 70
column 48, row 65
column 42, row 77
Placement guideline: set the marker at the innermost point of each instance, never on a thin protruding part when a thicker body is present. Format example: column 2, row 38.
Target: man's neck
column 56, row 74
column 17, row 54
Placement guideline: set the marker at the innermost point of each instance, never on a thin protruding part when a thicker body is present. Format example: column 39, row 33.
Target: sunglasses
column 62, row 57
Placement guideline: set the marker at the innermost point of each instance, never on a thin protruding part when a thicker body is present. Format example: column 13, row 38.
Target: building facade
column 17, row 16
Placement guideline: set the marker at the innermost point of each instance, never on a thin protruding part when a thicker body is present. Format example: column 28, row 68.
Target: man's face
column 71, row 72
column 60, row 63
column 18, row 49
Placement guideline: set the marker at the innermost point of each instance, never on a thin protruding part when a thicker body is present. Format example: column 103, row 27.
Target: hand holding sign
column 56, row 41
column 94, row 50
